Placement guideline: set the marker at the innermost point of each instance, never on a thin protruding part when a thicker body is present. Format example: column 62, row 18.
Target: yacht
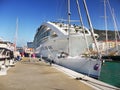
column 53, row 42
column 6, row 53
column 67, row 44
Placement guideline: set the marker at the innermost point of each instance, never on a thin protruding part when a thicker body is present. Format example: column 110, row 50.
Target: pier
column 38, row 75
column 33, row 74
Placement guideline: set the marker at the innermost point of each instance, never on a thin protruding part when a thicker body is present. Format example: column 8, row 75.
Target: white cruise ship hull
column 52, row 40
column 52, row 48
column 87, row 66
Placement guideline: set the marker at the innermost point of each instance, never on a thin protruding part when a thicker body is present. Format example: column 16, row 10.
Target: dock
column 38, row 75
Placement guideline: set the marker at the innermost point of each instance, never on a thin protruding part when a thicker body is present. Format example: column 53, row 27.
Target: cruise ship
column 67, row 48
column 68, row 44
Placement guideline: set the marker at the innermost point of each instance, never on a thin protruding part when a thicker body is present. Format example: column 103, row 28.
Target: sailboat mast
column 81, row 22
column 16, row 33
column 105, row 15
column 115, row 24
column 69, row 27
column 90, row 25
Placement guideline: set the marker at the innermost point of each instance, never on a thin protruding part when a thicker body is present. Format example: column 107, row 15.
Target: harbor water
column 110, row 73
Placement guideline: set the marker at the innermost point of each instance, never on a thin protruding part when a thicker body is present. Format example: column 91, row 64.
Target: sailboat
column 113, row 52
column 66, row 44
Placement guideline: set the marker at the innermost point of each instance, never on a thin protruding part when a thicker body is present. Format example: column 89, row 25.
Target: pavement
column 38, row 75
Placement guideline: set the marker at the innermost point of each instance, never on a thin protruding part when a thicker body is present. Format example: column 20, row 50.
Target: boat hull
column 56, row 40
column 53, row 48
column 87, row 66
column 6, row 61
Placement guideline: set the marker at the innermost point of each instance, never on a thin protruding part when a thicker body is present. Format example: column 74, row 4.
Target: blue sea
column 110, row 73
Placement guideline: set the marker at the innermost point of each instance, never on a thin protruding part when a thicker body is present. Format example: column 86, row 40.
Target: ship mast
column 91, row 27
column 115, row 24
column 69, row 27
column 15, row 42
column 81, row 22
column 105, row 15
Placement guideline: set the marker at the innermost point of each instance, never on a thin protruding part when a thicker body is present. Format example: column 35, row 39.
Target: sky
column 32, row 13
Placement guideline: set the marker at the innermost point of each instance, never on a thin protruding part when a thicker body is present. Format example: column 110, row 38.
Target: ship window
column 81, row 31
column 96, row 36
column 48, row 33
column 53, row 34
column 86, row 31
column 66, row 30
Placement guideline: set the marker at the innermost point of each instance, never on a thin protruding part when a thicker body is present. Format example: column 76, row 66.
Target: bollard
column 3, row 67
column 11, row 63
column 3, row 70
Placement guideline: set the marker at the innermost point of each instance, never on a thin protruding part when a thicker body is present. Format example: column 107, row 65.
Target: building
column 106, row 47
column 30, row 45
